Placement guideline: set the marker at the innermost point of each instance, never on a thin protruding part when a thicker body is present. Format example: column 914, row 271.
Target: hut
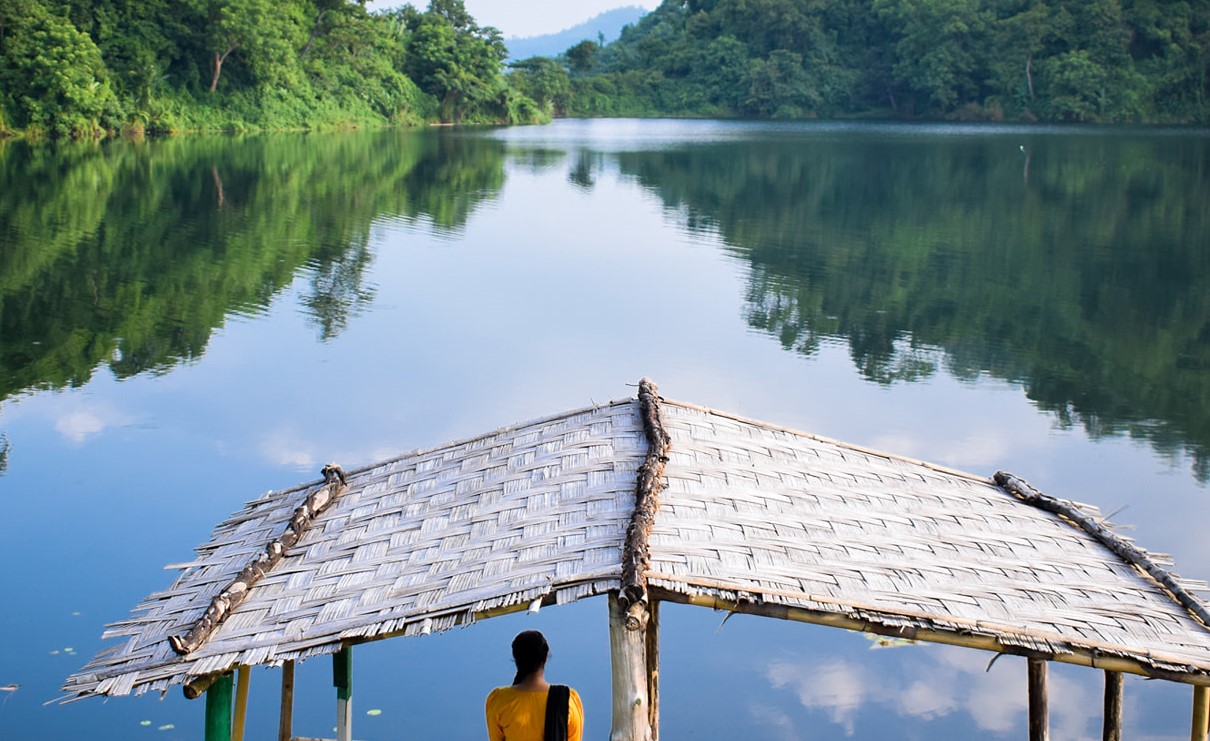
column 646, row 501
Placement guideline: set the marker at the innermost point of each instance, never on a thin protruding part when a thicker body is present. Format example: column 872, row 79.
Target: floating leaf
column 375, row 711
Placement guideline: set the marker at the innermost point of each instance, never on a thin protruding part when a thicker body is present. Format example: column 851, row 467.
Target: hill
column 1023, row 60
column 608, row 24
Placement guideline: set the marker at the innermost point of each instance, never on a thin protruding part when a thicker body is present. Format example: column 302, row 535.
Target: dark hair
column 529, row 653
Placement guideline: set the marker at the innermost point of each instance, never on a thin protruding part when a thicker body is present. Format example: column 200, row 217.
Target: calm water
column 185, row 324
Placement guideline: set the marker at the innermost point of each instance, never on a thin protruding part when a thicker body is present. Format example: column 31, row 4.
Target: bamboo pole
column 1078, row 655
column 1112, row 726
column 241, row 703
column 1039, row 723
column 653, row 669
column 218, row 709
column 342, row 677
column 628, row 660
column 285, row 726
column 1201, row 714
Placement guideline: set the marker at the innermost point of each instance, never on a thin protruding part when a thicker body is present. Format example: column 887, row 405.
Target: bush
column 53, row 75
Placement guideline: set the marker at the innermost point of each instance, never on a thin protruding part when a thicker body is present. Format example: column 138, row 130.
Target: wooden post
column 342, row 677
column 241, row 703
column 653, row 669
column 285, row 726
column 1201, row 713
column 1112, row 726
column 1039, row 723
column 628, row 659
column 218, row 709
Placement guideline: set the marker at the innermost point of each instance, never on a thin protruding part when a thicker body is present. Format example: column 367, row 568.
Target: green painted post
column 218, row 709
column 342, row 677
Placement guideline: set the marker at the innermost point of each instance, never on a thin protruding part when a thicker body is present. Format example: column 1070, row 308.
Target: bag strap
column 558, row 708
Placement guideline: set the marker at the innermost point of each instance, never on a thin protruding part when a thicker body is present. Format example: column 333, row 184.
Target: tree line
column 82, row 67
column 85, row 67
column 1026, row 60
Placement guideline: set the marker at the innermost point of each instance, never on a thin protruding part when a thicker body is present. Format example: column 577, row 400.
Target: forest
column 84, row 68
column 1018, row 60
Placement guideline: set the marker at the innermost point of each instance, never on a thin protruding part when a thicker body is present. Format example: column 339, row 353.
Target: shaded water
column 185, row 324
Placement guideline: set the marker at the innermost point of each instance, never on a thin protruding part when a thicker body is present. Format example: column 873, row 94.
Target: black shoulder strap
column 558, row 707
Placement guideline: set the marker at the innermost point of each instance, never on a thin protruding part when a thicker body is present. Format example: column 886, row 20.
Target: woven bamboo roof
column 752, row 517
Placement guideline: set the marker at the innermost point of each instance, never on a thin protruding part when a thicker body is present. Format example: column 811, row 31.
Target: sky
column 523, row 18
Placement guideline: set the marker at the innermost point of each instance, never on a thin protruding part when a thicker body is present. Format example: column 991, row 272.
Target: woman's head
column 529, row 653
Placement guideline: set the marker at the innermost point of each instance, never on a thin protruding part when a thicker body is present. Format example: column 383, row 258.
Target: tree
column 51, row 75
column 544, row 81
column 453, row 59
column 581, row 57
column 939, row 51
column 263, row 31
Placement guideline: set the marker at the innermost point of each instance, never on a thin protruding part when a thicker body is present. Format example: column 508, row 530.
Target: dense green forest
column 86, row 67
column 1062, row 60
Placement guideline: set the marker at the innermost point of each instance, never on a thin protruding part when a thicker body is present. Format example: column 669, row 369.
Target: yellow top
column 519, row 715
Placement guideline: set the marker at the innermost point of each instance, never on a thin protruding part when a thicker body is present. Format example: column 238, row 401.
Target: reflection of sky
column 556, row 296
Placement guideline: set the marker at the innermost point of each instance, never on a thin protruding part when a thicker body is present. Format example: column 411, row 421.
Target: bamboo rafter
column 1119, row 546
column 636, row 556
column 234, row 593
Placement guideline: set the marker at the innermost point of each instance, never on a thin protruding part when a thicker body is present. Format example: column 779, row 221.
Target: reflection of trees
column 124, row 254
column 1088, row 285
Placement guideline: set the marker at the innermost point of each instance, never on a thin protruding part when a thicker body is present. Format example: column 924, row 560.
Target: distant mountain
column 609, row 23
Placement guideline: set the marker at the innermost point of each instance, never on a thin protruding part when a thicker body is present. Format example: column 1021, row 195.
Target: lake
column 188, row 323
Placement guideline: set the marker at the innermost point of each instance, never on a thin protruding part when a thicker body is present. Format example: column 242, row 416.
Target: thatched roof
column 754, row 517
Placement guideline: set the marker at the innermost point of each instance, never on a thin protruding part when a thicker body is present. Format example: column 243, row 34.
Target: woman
column 532, row 709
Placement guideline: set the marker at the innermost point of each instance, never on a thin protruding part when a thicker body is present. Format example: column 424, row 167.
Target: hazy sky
column 531, row 17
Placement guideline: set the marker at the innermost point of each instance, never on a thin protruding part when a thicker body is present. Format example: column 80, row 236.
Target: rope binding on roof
column 1124, row 549
column 636, row 553
column 234, row 593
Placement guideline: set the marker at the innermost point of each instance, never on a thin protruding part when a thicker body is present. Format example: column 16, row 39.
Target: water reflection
column 129, row 257
column 1086, row 283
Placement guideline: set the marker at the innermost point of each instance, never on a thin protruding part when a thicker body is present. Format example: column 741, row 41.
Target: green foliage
column 88, row 67
column 460, row 64
column 544, row 81
column 52, row 76
column 581, row 57
column 129, row 256
column 1067, row 60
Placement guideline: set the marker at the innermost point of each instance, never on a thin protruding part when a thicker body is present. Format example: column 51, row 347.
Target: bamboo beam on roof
column 649, row 481
column 1120, row 547
column 233, row 595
